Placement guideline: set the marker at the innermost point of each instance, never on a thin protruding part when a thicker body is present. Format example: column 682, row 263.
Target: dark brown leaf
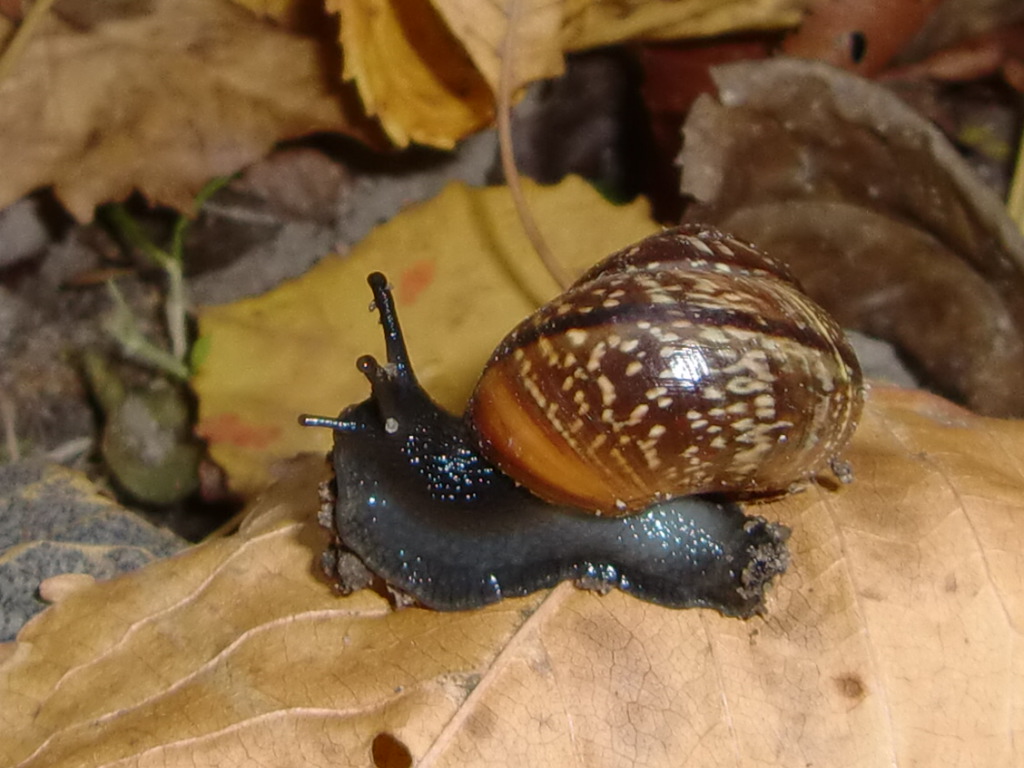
column 883, row 222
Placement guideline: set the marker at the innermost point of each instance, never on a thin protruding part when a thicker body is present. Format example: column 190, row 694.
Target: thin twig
column 19, row 40
column 1015, row 200
column 506, row 79
column 7, row 416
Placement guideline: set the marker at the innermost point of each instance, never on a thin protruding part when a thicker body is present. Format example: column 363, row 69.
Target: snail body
column 457, row 513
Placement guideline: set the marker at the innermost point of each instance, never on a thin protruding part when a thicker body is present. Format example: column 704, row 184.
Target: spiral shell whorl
column 688, row 363
column 694, row 247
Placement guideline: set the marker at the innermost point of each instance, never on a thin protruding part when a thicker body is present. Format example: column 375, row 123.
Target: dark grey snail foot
column 684, row 553
column 769, row 557
column 416, row 508
column 765, row 556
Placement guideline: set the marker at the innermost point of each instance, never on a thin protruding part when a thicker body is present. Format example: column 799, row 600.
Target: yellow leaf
column 411, row 72
column 464, row 275
column 483, row 27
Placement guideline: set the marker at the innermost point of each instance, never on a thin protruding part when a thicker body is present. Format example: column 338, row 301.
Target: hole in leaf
column 389, row 752
column 858, row 46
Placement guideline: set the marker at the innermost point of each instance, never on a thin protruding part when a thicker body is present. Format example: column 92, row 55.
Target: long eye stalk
column 398, row 354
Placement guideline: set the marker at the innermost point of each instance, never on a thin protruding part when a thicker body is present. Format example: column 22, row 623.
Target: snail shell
column 688, row 363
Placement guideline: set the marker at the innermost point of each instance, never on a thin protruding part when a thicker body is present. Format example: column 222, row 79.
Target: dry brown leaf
column 159, row 101
column 430, row 69
column 878, row 215
column 893, row 640
column 57, row 588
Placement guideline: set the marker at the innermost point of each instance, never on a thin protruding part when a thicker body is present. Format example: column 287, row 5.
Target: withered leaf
column 430, row 69
column 891, row 641
column 159, row 101
column 879, row 217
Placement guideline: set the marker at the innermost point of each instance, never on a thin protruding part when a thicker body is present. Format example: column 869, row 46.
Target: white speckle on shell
column 577, row 337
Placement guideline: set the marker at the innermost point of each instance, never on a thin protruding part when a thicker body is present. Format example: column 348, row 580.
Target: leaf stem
column 176, row 311
column 123, row 327
column 1015, row 199
column 135, row 236
column 9, row 419
column 19, row 40
column 171, row 261
column 506, row 84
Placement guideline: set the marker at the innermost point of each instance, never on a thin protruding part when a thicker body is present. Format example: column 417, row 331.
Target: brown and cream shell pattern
column 688, row 363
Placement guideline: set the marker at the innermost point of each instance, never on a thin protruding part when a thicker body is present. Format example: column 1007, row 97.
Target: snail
column 608, row 440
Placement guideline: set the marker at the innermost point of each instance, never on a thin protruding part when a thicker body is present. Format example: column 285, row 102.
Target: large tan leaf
column 464, row 274
column 159, row 100
column 893, row 640
column 429, row 69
